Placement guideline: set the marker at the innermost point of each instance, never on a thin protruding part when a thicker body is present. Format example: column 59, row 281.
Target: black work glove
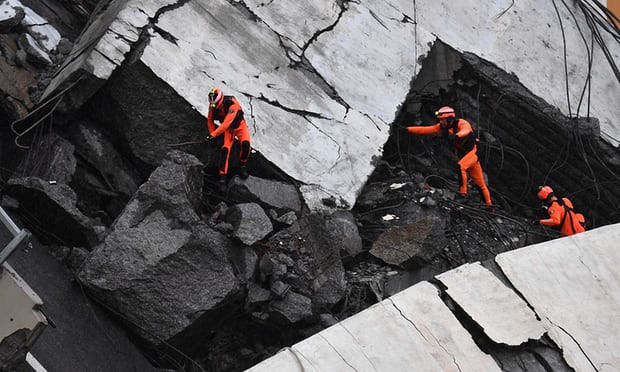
column 452, row 136
column 207, row 138
column 535, row 222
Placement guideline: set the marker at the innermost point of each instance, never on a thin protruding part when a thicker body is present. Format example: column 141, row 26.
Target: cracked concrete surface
column 347, row 63
column 574, row 286
column 413, row 330
column 502, row 314
column 566, row 288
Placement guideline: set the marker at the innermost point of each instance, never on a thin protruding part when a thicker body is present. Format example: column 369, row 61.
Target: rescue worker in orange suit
column 227, row 110
column 561, row 213
column 461, row 135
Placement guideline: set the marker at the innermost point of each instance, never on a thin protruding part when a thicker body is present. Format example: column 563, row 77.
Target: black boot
column 460, row 198
column 243, row 172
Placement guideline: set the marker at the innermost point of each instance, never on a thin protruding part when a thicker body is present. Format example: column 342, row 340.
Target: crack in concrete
column 376, row 17
column 588, row 268
column 294, row 352
column 337, row 352
column 207, row 74
column 36, row 24
column 362, row 350
column 575, row 341
column 498, row 272
column 303, row 62
column 105, row 56
column 121, row 37
column 334, row 93
column 374, row 122
column 137, row 47
column 252, row 114
column 165, row 35
column 292, row 110
column 407, row 319
column 506, row 280
column 305, row 115
column 424, row 337
column 299, row 354
column 328, row 136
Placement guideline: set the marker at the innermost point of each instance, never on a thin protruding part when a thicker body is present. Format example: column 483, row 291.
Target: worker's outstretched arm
column 555, row 217
column 430, row 129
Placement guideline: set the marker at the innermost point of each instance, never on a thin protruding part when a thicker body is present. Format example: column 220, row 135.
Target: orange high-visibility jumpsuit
column 570, row 222
column 467, row 152
column 232, row 124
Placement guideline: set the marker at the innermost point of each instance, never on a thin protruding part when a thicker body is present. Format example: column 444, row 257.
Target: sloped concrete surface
column 573, row 284
column 570, row 284
column 413, row 330
column 503, row 315
column 323, row 80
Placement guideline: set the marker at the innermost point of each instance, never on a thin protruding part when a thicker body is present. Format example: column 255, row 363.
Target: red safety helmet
column 544, row 192
column 445, row 112
column 215, row 97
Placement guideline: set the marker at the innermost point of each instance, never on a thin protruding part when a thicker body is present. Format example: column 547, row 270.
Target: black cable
column 465, row 256
column 499, row 233
column 587, row 83
column 480, row 243
column 512, row 219
column 585, row 158
column 528, row 181
column 553, row 168
column 593, row 19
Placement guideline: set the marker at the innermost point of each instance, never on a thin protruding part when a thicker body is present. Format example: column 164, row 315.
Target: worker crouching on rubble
column 561, row 213
column 227, row 110
column 462, row 138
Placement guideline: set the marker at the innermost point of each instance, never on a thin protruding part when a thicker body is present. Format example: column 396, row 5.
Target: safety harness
column 220, row 114
column 569, row 211
column 462, row 145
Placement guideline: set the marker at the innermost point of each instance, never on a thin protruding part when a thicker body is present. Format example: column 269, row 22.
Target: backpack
column 578, row 217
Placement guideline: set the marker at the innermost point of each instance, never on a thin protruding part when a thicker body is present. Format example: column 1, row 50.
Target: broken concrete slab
column 285, row 21
column 413, row 330
column 102, row 47
column 577, row 300
column 501, row 313
column 302, row 83
column 281, row 120
column 573, row 285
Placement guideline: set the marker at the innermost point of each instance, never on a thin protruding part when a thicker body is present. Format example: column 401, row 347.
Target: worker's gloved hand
column 452, row 136
column 535, row 222
column 207, row 138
